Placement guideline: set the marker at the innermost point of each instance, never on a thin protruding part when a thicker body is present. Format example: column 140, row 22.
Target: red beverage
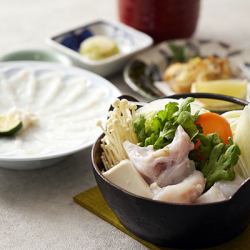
column 161, row 19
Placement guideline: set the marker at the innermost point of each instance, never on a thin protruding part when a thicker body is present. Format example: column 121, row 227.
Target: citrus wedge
column 233, row 87
column 9, row 124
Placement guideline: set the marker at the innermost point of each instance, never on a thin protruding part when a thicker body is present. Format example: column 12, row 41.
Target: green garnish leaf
column 153, row 125
column 218, row 159
column 168, row 112
column 159, row 128
column 178, row 53
column 185, row 105
column 208, row 143
column 220, row 165
column 139, row 127
column 151, row 139
column 187, row 121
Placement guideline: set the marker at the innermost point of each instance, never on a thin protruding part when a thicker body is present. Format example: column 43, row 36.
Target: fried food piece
column 181, row 75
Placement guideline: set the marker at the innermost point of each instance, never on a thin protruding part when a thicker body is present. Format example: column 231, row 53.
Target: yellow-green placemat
column 92, row 200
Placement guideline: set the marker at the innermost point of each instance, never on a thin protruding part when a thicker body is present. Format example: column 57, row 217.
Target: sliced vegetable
column 233, row 118
column 214, row 123
column 242, row 138
column 9, row 124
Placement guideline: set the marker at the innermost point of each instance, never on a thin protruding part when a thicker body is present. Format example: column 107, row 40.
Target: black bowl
column 176, row 225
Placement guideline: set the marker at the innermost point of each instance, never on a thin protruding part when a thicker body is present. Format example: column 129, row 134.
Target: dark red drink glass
column 161, row 19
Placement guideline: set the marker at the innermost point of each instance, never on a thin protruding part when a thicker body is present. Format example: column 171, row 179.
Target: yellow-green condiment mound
column 9, row 124
column 98, row 47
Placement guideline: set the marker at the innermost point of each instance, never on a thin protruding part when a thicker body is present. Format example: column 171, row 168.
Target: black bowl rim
column 178, row 96
column 227, row 98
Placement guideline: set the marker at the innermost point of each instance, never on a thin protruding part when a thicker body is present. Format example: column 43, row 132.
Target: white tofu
column 214, row 194
column 127, row 177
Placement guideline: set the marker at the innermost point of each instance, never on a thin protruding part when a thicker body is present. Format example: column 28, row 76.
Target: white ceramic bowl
column 67, row 102
column 129, row 40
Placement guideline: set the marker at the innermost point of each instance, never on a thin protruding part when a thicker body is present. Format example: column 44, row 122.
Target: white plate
column 62, row 99
column 129, row 41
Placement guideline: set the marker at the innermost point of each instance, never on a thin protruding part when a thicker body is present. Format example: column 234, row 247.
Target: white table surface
column 36, row 207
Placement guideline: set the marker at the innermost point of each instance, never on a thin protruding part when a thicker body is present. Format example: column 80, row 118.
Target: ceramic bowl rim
column 64, row 61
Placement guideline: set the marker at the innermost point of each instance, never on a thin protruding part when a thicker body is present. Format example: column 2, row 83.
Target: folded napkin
column 93, row 201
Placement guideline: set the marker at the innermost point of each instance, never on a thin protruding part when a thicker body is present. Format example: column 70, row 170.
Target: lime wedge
column 233, row 87
column 9, row 124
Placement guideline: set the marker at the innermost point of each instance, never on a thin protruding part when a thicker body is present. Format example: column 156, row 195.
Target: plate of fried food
column 191, row 66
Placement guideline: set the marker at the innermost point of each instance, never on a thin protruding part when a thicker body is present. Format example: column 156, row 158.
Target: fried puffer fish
column 180, row 76
column 166, row 166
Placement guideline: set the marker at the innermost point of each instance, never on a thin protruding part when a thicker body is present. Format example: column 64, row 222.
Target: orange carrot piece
column 213, row 123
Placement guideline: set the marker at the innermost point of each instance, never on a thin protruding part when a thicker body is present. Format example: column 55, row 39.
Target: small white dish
column 129, row 41
column 67, row 103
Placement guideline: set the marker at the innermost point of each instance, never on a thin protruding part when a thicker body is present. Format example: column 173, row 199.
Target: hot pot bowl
column 171, row 224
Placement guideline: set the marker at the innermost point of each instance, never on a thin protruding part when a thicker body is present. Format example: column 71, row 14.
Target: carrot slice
column 213, row 123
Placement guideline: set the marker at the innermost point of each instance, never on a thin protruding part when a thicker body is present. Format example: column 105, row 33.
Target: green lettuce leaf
column 218, row 159
column 212, row 157
column 139, row 127
column 159, row 128
column 187, row 121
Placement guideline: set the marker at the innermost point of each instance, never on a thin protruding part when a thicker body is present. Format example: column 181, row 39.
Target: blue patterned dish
column 129, row 40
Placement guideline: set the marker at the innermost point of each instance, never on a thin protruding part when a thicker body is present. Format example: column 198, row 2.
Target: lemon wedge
column 9, row 124
column 233, row 87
